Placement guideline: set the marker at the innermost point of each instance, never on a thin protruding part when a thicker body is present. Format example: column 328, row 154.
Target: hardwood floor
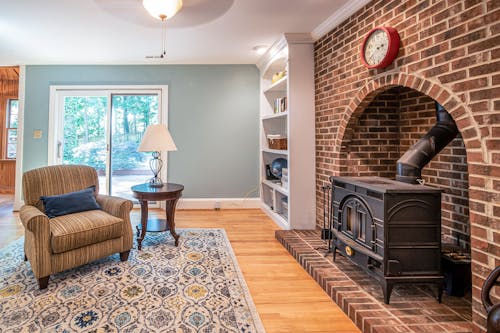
column 286, row 297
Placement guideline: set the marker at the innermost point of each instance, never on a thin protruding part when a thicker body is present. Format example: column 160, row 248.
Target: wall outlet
column 217, row 205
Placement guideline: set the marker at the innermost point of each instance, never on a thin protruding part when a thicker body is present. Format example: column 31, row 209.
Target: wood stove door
column 357, row 222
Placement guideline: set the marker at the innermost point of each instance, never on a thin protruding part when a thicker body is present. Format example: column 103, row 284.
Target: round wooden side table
column 170, row 193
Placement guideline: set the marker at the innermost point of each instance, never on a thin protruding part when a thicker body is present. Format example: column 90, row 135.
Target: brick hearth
column 412, row 308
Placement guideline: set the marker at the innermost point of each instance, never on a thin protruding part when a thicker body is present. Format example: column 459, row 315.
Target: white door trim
column 18, row 202
column 55, row 119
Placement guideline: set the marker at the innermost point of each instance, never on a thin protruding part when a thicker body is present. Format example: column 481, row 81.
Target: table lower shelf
column 155, row 225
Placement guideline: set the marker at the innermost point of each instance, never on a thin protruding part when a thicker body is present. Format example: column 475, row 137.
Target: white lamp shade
column 157, row 138
column 162, row 8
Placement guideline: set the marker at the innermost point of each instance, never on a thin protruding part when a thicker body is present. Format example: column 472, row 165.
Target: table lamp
column 155, row 140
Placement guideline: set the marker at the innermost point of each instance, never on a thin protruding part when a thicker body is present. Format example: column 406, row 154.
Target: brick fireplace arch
column 459, row 111
column 481, row 202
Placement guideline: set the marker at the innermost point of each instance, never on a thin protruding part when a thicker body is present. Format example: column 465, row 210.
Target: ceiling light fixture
column 162, row 10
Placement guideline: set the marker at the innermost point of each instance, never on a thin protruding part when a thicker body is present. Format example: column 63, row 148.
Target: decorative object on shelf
column 277, row 166
column 162, row 10
column 156, row 139
column 280, row 105
column 277, row 141
column 380, row 47
column 269, row 175
column 278, row 76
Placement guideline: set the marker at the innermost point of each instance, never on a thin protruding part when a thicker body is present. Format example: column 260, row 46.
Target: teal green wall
column 213, row 118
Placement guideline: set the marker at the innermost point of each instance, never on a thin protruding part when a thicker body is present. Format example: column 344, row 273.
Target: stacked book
column 284, row 178
column 280, row 105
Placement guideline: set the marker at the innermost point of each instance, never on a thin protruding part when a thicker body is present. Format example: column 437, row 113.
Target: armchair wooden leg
column 43, row 282
column 124, row 255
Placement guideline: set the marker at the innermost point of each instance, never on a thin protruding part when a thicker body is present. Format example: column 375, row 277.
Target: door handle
column 59, row 146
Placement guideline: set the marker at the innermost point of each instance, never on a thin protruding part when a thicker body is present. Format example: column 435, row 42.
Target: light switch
column 37, row 134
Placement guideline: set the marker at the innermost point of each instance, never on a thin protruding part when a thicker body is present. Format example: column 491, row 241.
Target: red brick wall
column 450, row 52
column 371, row 143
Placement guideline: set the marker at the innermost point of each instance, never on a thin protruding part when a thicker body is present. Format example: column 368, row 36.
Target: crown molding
column 285, row 40
column 338, row 17
column 271, row 52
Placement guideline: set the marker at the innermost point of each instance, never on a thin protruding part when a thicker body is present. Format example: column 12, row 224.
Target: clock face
column 376, row 47
column 380, row 47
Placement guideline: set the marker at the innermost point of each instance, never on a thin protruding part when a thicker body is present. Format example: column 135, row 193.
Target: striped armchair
column 56, row 244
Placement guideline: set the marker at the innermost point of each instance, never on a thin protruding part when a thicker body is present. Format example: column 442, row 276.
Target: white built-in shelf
column 279, row 219
column 275, row 151
column 279, row 85
column 275, row 186
column 293, row 207
column 275, row 115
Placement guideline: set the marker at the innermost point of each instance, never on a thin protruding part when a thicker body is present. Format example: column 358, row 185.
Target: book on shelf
column 280, row 105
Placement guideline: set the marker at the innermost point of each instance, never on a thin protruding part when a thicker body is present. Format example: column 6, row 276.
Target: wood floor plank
column 286, row 297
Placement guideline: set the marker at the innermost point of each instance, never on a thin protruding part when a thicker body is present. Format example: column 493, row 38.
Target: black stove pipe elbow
column 409, row 166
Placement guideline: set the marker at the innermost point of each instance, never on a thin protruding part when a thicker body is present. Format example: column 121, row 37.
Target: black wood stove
column 389, row 228
column 392, row 228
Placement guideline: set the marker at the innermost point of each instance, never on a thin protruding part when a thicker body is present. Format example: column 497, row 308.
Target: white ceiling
column 121, row 31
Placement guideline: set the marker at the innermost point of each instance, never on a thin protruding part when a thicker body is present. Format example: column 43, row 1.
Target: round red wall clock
column 380, row 47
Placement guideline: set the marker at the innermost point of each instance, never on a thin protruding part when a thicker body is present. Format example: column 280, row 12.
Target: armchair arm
column 115, row 206
column 37, row 240
column 34, row 219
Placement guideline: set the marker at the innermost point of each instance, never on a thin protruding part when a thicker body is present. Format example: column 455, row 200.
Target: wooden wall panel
column 7, row 176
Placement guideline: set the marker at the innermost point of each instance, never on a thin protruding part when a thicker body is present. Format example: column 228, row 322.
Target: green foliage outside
column 85, row 134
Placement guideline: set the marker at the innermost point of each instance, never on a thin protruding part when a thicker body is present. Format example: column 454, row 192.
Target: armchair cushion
column 77, row 230
column 73, row 202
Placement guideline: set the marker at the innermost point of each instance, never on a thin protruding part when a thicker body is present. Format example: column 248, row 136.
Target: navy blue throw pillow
column 73, row 202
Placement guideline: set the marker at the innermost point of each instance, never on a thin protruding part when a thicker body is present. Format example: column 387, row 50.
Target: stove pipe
column 410, row 165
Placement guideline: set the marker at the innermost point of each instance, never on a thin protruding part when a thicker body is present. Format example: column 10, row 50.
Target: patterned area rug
column 196, row 287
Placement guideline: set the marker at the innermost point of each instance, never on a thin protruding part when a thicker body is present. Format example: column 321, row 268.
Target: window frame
column 7, row 128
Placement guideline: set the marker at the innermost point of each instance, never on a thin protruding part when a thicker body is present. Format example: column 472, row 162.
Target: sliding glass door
column 130, row 115
column 103, row 128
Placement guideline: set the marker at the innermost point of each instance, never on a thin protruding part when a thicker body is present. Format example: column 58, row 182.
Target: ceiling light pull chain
column 163, row 36
column 163, row 10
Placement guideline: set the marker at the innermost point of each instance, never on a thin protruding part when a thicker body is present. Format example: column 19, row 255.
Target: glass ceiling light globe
column 162, row 9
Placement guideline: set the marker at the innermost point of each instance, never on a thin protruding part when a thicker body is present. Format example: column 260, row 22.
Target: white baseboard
column 222, row 203
column 208, row 203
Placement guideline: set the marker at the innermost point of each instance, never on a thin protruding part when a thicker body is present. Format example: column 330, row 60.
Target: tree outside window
column 12, row 114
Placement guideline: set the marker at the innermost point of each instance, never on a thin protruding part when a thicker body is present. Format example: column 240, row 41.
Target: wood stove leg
column 334, row 250
column 439, row 291
column 387, row 290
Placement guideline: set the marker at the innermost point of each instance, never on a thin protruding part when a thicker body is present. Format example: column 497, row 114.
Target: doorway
column 102, row 127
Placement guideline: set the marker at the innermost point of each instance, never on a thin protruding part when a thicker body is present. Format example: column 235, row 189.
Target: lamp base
column 155, row 182
column 155, row 164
